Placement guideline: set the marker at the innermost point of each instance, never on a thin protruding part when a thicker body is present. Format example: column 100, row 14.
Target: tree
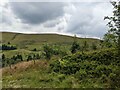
column 17, row 58
column 85, row 46
column 114, row 23
column 94, row 47
column 7, row 47
column 29, row 58
column 37, row 56
column 3, row 60
column 20, row 57
column 8, row 42
column 34, row 49
column 101, row 44
column 8, row 61
column 3, row 56
column 110, row 40
column 48, row 51
column 75, row 46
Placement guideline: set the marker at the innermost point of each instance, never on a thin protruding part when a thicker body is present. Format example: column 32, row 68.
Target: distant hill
column 28, row 39
column 25, row 43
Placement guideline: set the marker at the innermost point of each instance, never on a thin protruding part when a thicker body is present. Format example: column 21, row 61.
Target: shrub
column 55, row 66
column 115, row 78
column 93, row 61
column 61, row 77
column 29, row 57
column 48, row 51
column 17, row 58
column 3, row 60
column 75, row 46
column 81, row 74
column 103, row 78
column 38, row 56
column 102, row 69
column 94, row 47
column 34, row 49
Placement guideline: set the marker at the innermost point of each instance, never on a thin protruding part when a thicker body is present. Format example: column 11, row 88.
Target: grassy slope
column 27, row 42
column 30, row 39
column 26, row 75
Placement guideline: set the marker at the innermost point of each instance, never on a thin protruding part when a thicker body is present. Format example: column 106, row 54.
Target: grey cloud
column 5, row 18
column 61, row 28
column 52, row 23
column 88, row 19
column 37, row 12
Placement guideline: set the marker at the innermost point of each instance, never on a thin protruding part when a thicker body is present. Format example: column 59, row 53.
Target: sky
column 85, row 18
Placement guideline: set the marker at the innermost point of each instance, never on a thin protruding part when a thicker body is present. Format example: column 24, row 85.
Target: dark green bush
column 75, row 47
column 102, row 69
column 96, row 60
column 29, row 57
column 55, row 66
column 8, row 47
column 81, row 74
column 115, row 78
column 48, row 51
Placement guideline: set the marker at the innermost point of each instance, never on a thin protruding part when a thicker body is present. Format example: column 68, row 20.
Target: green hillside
column 27, row 42
column 91, row 66
column 35, row 39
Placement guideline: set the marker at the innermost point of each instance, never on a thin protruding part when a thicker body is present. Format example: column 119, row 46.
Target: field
column 84, row 69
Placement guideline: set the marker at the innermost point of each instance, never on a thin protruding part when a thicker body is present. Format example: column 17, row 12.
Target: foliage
column 72, row 64
column 29, row 57
column 48, row 51
column 114, row 24
column 34, row 49
column 102, row 65
column 7, row 47
column 3, row 56
column 3, row 60
column 37, row 56
column 17, row 57
column 57, row 50
column 94, row 47
column 110, row 40
column 13, row 60
column 75, row 46
column 85, row 46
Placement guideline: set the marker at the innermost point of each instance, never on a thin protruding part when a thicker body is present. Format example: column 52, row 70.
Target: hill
column 27, row 42
column 90, row 68
column 35, row 39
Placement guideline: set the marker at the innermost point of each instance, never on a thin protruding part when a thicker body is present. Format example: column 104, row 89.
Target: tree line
column 7, row 47
column 17, row 58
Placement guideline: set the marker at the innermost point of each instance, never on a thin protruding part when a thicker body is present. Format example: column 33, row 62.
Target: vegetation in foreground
column 74, row 71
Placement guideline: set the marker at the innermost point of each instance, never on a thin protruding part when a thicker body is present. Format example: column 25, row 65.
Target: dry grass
column 23, row 66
